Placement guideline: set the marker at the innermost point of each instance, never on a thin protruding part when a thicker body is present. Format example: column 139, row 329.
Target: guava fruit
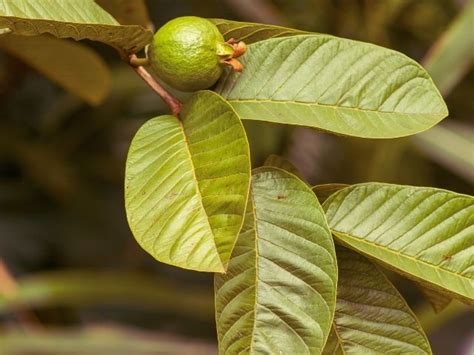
column 189, row 53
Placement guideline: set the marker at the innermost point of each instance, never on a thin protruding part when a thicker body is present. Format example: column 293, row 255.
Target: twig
column 138, row 62
column 173, row 103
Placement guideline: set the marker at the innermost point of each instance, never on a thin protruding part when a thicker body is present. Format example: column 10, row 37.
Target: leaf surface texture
column 371, row 316
column 250, row 32
column 187, row 184
column 334, row 84
column 278, row 295
column 424, row 233
column 78, row 19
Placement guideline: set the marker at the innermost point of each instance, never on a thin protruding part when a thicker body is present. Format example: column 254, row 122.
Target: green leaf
column 252, row 32
column 438, row 299
column 187, row 184
column 334, row 84
column 426, row 234
column 282, row 163
column 73, row 66
column 452, row 54
column 81, row 19
column 323, row 191
column 371, row 316
column 278, row 295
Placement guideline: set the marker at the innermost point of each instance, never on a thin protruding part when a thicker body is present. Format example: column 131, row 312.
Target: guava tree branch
column 173, row 103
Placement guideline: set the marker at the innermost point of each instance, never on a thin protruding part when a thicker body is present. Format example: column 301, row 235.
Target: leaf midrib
column 338, row 336
column 115, row 26
column 311, row 104
column 343, row 235
column 255, row 228
column 198, row 191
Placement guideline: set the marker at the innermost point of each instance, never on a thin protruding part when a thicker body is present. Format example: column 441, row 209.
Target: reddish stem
column 173, row 103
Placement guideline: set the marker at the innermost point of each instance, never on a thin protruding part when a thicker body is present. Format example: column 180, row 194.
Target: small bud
column 239, row 49
column 235, row 64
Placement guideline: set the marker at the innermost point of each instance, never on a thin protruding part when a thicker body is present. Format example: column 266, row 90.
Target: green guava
column 188, row 53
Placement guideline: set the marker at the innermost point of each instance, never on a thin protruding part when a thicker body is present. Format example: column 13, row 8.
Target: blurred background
column 72, row 278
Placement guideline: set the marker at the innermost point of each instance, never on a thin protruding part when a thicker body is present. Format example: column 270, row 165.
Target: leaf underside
column 334, row 84
column 252, row 32
column 278, row 294
column 72, row 65
column 426, row 234
column 187, row 184
column 81, row 19
column 371, row 316
column 437, row 298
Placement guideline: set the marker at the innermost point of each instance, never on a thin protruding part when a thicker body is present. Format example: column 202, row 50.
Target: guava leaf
column 323, row 191
column 282, row 163
column 278, row 295
column 79, row 19
column 452, row 54
column 250, row 32
column 187, row 184
column 334, row 84
column 73, row 66
column 371, row 316
column 426, row 234
column 437, row 299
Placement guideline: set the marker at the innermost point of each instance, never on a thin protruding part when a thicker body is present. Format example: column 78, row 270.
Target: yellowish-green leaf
column 334, row 84
column 187, row 184
column 426, row 234
column 78, row 19
column 252, row 32
column 438, row 299
column 127, row 12
column 73, row 66
column 323, row 191
column 371, row 316
column 282, row 163
column 452, row 55
column 278, row 295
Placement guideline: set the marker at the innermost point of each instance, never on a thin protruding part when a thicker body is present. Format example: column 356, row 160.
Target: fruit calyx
column 229, row 51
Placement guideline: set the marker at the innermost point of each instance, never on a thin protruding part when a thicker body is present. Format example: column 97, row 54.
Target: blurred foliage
column 61, row 181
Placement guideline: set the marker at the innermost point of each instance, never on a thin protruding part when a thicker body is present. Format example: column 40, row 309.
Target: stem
column 173, row 103
column 138, row 62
